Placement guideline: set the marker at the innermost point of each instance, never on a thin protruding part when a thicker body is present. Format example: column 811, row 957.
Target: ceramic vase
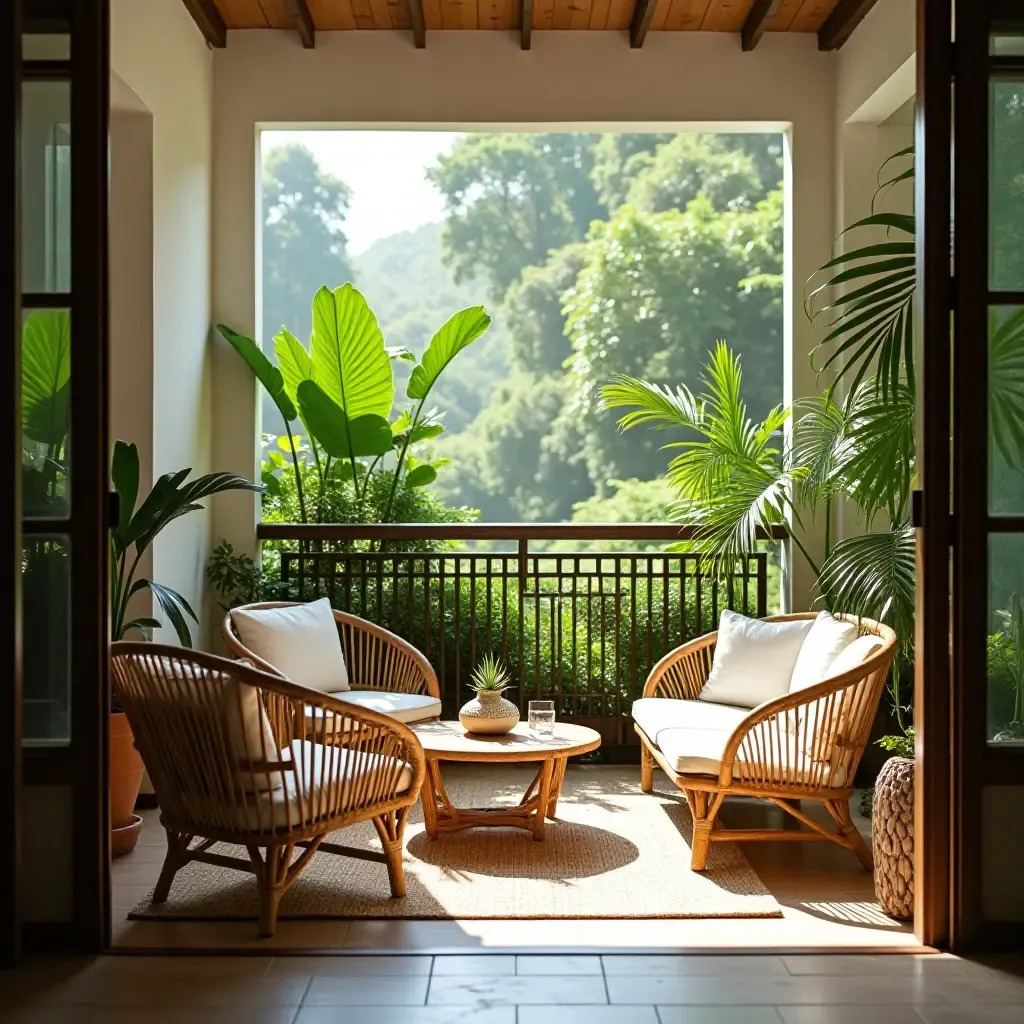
column 489, row 713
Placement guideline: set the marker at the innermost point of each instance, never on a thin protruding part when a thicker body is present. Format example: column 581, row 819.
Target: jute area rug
column 612, row 852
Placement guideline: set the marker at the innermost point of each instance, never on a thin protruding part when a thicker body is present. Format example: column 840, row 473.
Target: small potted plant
column 488, row 712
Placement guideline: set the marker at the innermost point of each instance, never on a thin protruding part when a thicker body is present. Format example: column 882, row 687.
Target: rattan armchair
column 376, row 659
column 805, row 745
column 235, row 757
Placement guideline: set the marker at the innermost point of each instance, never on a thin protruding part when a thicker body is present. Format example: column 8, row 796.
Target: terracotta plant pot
column 892, row 837
column 126, row 770
column 489, row 713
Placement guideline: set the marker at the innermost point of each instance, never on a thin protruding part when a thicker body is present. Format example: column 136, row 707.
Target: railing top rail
column 487, row 531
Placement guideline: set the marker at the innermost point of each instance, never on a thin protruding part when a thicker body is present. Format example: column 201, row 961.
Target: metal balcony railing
column 579, row 613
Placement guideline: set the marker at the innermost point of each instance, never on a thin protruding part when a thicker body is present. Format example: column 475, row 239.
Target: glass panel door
column 55, row 82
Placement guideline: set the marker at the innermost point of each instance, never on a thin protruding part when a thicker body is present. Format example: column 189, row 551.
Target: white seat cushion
column 300, row 641
column 825, row 641
column 657, row 714
column 699, row 752
column 402, row 707
column 754, row 660
column 692, row 735
column 326, row 776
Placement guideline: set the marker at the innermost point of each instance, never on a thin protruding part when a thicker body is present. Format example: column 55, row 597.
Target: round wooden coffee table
column 448, row 741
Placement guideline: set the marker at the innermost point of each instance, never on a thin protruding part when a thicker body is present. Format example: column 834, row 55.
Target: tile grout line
column 430, row 981
column 305, row 992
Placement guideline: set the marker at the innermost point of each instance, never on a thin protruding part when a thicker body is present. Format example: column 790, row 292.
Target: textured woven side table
column 892, row 837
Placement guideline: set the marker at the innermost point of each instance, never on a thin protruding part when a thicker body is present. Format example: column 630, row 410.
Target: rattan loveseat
column 803, row 745
column 235, row 757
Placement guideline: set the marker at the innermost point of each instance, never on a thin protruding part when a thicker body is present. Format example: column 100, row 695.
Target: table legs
column 539, row 802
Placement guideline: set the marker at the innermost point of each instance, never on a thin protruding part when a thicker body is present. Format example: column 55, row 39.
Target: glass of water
column 542, row 717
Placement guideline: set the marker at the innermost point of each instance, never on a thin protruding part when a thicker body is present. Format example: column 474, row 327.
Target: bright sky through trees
column 384, row 170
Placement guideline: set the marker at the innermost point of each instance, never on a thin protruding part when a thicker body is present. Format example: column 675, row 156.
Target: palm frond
column 653, row 404
column 727, row 523
column 873, row 576
column 869, row 328
column 821, row 446
column 1006, row 385
column 878, row 464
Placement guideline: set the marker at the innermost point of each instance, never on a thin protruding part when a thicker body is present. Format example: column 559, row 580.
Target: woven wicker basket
column 892, row 837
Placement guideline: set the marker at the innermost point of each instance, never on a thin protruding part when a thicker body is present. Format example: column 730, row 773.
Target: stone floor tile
column 564, row 965
column 475, row 965
column 406, row 1015
column 377, row 966
column 972, row 1013
column 367, row 990
column 717, row 1015
column 671, row 966
column 848, row 1015
column 588, row 1015
column 538, row 989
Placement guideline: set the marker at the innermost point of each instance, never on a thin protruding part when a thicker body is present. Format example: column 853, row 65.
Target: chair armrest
column 682, row 673
column 810, row 739
column 378, row 659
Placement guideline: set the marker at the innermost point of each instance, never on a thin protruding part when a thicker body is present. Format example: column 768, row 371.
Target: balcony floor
column 826, row 897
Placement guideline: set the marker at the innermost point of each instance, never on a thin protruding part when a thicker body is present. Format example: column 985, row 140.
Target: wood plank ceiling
column 832, row 20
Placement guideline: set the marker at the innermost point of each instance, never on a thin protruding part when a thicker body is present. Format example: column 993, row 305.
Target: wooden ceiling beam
column 839, row 25
column 643, row 14
column 304, row 25
column 419, row 24
column 757, row 22
column 210, row 23
column 526, row 24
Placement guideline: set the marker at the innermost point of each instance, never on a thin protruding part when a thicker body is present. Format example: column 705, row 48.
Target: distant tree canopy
column 598, row 253
column 304, row 211
column 511, row 199
column 686, row 248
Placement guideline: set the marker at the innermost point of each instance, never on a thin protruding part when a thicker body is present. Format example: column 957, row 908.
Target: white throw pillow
column 301, row 641
column 853, row 654
column 826, row 720
column 828, row 638
column 753, row 660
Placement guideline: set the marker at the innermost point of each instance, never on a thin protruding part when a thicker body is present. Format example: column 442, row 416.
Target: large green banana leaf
column 45, row 370
column 461, row 330
column 350, row 361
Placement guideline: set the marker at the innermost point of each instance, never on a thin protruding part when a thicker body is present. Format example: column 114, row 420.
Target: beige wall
column 484, row 79
column 162, row 383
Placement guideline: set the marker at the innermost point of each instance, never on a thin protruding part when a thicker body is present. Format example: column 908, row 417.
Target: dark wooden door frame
column 82, row 765
column 10, row 507
column 932, row 693
column 977, row 764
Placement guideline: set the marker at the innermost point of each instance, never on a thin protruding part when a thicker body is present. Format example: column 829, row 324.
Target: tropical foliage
column 45, row 409
column 173, row 495
column 342, row 390
column 735, row 476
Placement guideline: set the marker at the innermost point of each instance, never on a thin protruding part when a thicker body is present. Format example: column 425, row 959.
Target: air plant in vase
column 489, row 712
